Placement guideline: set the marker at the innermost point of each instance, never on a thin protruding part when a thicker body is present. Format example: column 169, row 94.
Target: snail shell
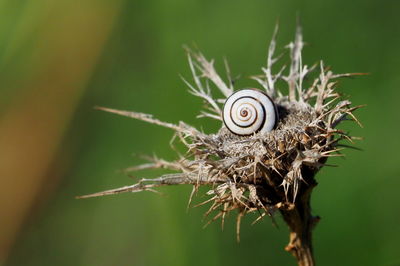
column 249, row 111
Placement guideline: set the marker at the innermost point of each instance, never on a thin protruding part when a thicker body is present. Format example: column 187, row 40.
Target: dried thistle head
column 265, row 171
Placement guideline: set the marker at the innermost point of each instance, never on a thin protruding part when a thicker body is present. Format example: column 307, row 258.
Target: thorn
column 238, row 221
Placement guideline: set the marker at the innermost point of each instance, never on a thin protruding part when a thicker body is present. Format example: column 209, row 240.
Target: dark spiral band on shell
column 259, row 114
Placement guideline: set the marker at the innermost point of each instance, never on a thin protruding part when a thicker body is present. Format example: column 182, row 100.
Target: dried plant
column 265, row 172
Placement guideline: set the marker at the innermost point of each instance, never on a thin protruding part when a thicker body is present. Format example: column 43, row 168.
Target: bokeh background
column 60, row 58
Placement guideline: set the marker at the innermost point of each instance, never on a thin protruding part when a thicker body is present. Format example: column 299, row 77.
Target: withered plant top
column 262, row 172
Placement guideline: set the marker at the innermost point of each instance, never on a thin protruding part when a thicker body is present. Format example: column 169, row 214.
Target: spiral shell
column 249, row 111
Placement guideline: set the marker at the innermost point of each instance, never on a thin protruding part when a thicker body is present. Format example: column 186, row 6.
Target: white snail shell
column 249, row 111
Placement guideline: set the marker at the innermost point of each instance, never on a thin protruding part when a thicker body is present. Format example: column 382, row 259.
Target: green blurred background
column 60, row 58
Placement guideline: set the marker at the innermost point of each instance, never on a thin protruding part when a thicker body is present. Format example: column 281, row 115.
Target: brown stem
column 301, row 223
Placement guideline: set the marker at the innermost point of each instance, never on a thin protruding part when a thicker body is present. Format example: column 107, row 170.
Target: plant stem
column 301, row 223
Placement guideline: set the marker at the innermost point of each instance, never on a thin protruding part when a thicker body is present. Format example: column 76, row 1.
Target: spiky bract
column 261, row 172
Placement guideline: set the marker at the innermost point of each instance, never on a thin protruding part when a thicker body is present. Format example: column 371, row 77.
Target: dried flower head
column 262, row 172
